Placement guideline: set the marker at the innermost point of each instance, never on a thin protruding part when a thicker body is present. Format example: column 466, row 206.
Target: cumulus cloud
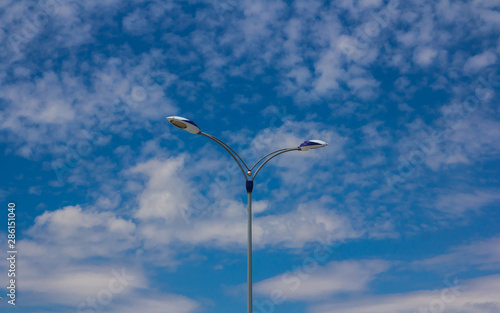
column 60, row 249
column 198, row 219
column 56, row 112
column 425, row 56
column 61, row 264
column 62, row 228
column 162, row 196
column 480, row 61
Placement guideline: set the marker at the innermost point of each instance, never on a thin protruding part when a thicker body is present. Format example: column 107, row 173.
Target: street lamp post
column 249, row 176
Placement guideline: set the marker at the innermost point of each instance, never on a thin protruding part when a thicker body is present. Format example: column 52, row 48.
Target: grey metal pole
column 249, row 187
column 249, row 261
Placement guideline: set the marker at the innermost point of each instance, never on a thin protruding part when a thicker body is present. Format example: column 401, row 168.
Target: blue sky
column 119, row 211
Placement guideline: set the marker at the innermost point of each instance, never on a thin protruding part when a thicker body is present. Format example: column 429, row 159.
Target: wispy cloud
column 472, row 296
column 458, row 204
column 484, row 254
column 311, row 284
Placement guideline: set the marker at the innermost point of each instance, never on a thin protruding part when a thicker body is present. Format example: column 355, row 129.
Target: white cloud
column 60, row 266
column 464, row 134
column 370, row 3
column 329, row 72
column 114, row 288
column 459, row 204
column 136, row 23
column 260, row 19
column 361, row 83
column 166, row 190
column 306, row 224
column 157, row 303
column 478, row 295
column 35, row 190
column 59, row 253
column 56, row 111
column 223, row 224
column 364, row 88
column 312, row 282
column 49, row 108
column 171, row 209
column 425, row 56
column 491, row 17
column 358, row 7
column 405, row 107
column 484, row 254
column 63, row 228
column 478, row 62
column 72, row 284
column 375, row 136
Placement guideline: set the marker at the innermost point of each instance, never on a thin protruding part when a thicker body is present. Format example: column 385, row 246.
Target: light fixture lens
column 179, row 124
column 184, row 123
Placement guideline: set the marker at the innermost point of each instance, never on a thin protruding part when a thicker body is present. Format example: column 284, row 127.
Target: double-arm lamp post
column 249, row 176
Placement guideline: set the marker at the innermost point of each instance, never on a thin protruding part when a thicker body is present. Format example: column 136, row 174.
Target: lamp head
column 312, row 144
column 184, row 123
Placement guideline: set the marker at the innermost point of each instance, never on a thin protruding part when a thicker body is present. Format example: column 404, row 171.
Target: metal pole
column 249, row 187
column 249, row 261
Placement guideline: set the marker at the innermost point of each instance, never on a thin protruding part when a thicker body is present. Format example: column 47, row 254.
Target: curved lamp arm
column 266, row 157
column 278, row 152
column 233, row 154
